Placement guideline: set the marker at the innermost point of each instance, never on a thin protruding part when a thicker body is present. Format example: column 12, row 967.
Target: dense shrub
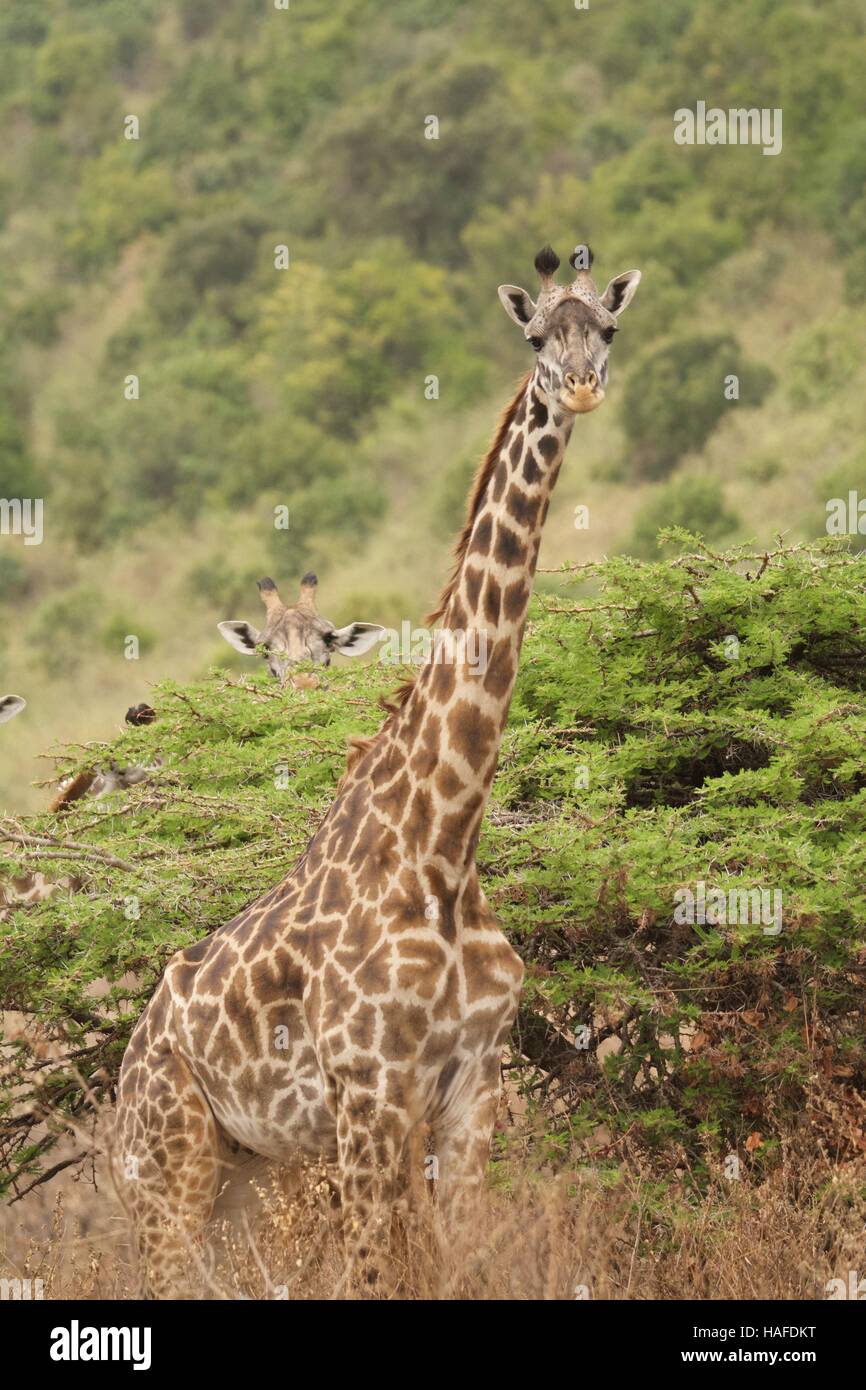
column 204, row 260
column 61, row 628
column 693, row 503
column 18, row 475
column 117, row 202
column 675, row 397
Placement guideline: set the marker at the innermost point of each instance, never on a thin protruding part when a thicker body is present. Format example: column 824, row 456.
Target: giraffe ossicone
column 373, row 990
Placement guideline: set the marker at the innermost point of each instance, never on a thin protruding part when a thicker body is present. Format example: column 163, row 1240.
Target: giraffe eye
column 535, row 344
column 607, row 334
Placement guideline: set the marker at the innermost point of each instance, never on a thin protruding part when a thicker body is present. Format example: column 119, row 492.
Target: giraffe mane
column 358, row 747
column 476, row 496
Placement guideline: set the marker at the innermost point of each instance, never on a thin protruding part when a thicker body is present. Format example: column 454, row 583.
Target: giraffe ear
column 621, row 291
column 517, row 304
column 9, row 706
column 242, row 636
column 355, row 639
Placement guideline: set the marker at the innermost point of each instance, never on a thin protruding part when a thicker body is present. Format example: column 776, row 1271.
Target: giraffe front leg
column 167, row 1165
column 371, row 1142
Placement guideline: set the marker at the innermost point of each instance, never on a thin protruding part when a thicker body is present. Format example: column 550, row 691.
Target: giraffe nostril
column 572, row 380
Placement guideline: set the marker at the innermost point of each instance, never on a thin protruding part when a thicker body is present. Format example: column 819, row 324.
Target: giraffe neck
column 450, row 729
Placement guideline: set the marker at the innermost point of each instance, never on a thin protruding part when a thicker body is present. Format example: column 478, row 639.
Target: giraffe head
column 571, row 327
column 297, row 632
column 10, row 705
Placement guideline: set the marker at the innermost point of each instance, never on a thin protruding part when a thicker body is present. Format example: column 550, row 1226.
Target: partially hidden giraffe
column 297, row 632
column 98, row 782
column 372, row 990
column 24, row 890
column 94, row 782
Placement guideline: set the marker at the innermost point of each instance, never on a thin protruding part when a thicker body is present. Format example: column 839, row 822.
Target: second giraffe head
column 294, row 633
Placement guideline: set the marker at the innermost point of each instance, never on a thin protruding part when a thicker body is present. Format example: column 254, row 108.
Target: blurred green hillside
column 156, row 258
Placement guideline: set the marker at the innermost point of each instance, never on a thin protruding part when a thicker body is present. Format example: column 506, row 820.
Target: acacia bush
column 647, row 751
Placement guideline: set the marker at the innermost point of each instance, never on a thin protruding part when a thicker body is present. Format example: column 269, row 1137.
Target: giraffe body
column 372, row 989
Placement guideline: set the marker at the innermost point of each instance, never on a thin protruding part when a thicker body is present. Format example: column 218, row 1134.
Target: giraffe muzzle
column 581, row 397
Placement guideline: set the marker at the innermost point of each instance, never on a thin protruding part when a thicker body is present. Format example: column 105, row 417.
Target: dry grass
column 588, row 1233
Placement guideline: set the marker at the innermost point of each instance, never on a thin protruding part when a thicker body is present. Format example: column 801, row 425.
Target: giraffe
column 25, row 890
column 94, row 782
column 372, row 990
column 10, row 705
column 297, row 633
column 99, row 782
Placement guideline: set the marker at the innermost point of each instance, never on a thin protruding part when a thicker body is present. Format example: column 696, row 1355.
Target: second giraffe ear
column 518, row 305
column 242, row 636
column 355, row 639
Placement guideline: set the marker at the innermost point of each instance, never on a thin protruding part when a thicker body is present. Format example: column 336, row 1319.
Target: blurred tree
column 675, row 396
column 206, row 264
column 696, row 505
column 380, row 172
column 63, row 628
column 118, row 201
column 338, row 343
